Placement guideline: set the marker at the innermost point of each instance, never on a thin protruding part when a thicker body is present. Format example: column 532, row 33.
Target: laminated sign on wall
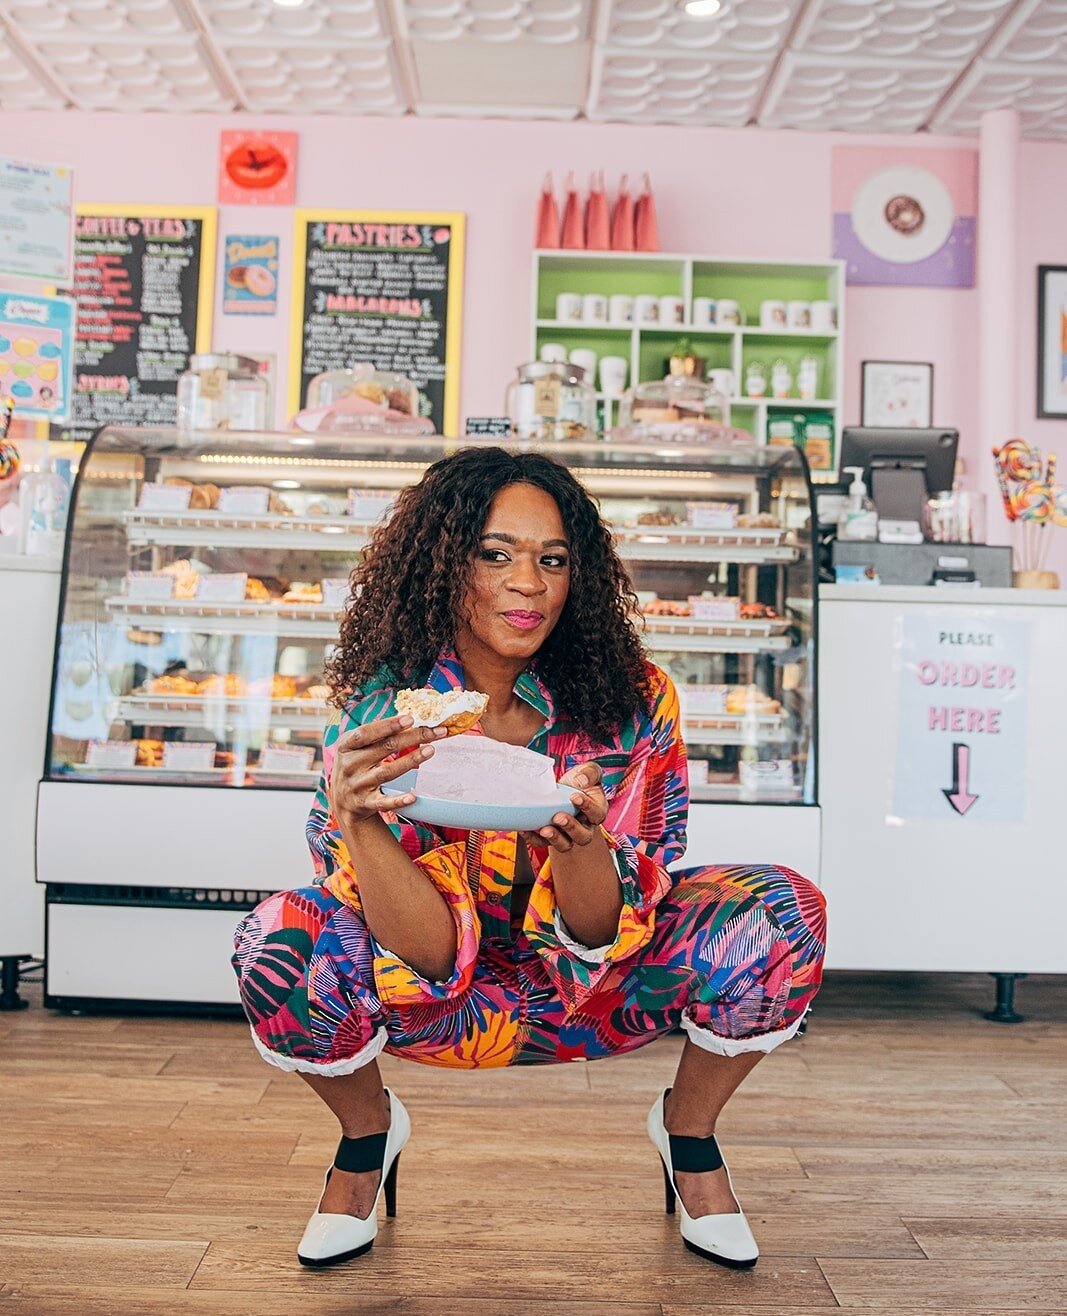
column 962, row 726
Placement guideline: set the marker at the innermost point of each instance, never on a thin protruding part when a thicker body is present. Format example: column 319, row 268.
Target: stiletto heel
column 725, row 1239
column 331, row 1237
column 668, row 1187
column 390, row 1188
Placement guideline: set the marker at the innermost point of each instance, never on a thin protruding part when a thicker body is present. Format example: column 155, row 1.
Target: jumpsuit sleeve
column 440, row 855
column 645, row 830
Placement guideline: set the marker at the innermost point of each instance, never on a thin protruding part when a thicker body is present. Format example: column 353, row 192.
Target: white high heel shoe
column 331, row 1238
column 726, row 1239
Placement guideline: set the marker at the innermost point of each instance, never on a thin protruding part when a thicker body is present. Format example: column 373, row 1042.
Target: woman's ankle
column 373, row 1117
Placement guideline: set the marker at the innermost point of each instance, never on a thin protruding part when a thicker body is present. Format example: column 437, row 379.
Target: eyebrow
column 510, row 539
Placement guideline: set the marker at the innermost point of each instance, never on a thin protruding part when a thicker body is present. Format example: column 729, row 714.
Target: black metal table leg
column 9, row 984
column 1004, row 1011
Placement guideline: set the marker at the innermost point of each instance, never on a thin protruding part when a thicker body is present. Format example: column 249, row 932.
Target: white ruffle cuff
column 324, row 1068
column 739, row 1046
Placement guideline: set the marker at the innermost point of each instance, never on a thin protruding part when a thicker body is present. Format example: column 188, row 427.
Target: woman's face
column 521, row 573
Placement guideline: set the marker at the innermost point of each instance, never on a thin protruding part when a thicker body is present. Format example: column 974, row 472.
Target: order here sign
column 962, row 727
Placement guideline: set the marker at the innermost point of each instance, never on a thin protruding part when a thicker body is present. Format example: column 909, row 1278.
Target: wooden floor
column 904, row 1156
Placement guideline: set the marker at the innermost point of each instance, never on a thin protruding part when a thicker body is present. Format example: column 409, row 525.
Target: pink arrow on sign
column 959, row 796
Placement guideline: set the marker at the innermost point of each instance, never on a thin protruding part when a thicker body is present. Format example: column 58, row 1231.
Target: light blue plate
column 477, row 817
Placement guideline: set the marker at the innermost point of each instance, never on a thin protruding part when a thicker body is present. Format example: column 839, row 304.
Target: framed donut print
column 1052, row 342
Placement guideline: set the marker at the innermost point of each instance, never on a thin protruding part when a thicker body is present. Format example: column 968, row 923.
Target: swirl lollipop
column 1033, row 502
column 1019, row 461
column 1059, row 510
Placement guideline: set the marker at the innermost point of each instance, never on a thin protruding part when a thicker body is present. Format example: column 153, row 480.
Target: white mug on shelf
column 585, row 359
column 772, row 314
column 728, row 312
column 646, row 309
column 722, row 380
column 613, row 371
column 569, row 306
column 621, row 308
column 553, row 352
column 798, row 314
column 823, row 317
column 594, row 308
column 671, row 310
column 703, row 312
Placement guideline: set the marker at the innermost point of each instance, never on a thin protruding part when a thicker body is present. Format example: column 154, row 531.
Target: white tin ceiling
column 850, row 65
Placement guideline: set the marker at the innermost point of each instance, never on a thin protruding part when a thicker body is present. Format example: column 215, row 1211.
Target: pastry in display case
column 362, row 400
column 204, row 577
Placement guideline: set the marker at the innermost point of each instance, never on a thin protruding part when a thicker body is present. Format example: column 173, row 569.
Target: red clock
column 258, row 168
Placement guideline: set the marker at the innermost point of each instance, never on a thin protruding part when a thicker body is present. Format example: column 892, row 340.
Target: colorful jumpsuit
column 731, row 954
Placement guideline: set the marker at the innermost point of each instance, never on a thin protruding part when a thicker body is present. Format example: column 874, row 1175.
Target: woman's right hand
column 359, row 770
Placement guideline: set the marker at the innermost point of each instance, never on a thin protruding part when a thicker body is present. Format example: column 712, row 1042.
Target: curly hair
column 408, row 592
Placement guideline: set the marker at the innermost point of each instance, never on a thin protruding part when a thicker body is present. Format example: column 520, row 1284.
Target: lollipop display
column 1032, row 501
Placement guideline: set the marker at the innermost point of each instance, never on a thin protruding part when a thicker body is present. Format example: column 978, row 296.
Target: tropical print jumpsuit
column 731, row 954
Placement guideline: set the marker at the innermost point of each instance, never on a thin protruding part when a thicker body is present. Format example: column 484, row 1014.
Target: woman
column 496, row 573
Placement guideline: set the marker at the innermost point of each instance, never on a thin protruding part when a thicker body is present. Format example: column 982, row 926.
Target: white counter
column 943, row 729
column 29, row 601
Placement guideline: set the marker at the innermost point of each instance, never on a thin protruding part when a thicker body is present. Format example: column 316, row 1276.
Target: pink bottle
column 646, row 229
column 572, row 236
column 597, row 219
column 622, row 219
column 547, row 232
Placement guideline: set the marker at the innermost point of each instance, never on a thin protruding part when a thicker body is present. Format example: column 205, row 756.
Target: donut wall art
column 905, row 217
column 36, row 354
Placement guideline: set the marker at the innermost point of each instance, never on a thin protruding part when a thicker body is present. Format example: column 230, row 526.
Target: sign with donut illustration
column 250, row 275
column 36, row 354
column 384, row 287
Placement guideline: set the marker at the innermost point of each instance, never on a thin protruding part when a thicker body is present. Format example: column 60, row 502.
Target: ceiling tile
column 949, row 30
column 316, row 79
column 546, row 22
column 848, row 94
column 1039, row 95
column 319, row 23
column 652, row 88
column 745, row 27
column 128, row 75
column 21, row 88
column 80, row 19
column 518, row 78
column 1035, row 34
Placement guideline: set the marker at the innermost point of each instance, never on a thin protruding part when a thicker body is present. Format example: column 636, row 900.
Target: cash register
column 902, row 469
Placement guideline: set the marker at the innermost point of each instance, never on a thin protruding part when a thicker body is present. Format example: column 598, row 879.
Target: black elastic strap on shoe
column 694, row 1155
column 355, row 1155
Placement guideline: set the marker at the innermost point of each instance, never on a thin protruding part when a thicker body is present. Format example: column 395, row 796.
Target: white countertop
column 940, row 595
column 23, row 562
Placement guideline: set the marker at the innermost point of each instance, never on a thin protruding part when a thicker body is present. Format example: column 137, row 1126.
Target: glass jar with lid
column 551, row 400
column 678, row 399
column 223, row 391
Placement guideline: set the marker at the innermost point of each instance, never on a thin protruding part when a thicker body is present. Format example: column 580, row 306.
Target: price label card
column 111, row 753
column 712, row 516
column 698, row 772
column 149, row 586
column 189, row 755
column 245, row 500
column 222, row 587
column 213, row 384
column 286, row 758
column 771, row 774
column 370, row 505
column 165, row 497
column 547, row 394
column 498, row 427
column 728, row 609
column 334, row 591
column 702, row 698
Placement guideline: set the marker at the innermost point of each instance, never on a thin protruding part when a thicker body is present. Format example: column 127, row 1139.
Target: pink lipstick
column 524, row 621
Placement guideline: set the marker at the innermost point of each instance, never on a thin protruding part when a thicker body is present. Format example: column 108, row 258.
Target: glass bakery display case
column 203, row 580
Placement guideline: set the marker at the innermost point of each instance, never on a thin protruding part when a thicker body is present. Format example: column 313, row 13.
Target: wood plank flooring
column 904, row 1157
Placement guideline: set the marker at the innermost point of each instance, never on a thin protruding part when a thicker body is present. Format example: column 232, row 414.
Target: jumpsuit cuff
column 324, row 1068
column 591, row 954
column 738, row 1046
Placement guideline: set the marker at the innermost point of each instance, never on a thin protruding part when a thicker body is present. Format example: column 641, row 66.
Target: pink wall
column 722, row 192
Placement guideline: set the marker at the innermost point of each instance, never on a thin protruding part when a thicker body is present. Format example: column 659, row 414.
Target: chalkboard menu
column 382, row 287
column 144, row 282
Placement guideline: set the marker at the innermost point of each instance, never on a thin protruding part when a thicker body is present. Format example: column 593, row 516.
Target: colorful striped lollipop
column 1019, row 461
column 1033, row 502
column 1005, row 492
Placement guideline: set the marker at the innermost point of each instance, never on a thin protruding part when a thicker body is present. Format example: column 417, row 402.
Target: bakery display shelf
column 152, row 774
column 213, row 529
column 730, row 792
column 689, row 634
column 735, row 728
column 295, row 620
column 244, row 711
column 667, row 543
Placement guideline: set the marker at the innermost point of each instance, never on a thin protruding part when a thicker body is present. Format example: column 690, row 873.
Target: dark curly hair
column 409, row 590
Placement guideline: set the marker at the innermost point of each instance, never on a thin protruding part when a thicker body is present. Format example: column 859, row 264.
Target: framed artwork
column 1052, row 342
column 897, row 394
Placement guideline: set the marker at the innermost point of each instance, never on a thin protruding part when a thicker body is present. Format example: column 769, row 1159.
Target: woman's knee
column 273, row 946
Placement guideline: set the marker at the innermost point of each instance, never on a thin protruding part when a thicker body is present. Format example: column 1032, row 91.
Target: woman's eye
column 554, row 560
column 493, row 555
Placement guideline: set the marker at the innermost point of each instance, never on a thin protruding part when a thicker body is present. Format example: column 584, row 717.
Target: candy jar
column 755, row 380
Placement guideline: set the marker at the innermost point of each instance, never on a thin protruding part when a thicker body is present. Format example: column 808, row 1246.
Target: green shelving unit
column 647, row 347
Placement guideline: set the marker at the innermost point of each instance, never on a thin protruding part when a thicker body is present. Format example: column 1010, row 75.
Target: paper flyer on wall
column 37, row 354
column 250, row 276
column 36, row 220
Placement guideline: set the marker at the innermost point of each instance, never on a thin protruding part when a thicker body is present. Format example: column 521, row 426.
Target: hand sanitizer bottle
column 858, row 518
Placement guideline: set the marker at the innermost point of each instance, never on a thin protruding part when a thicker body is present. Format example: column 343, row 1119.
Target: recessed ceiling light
column 295, row 4
column 694, row 8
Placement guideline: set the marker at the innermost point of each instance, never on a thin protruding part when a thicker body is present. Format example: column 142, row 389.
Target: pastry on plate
column 458, row 710
column 303, row 591
column 150, row 753
column 229, row 684
column 172, row 685
column 256, row 591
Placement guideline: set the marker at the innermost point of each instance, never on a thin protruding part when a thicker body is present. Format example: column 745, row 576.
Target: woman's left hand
column 566, row 832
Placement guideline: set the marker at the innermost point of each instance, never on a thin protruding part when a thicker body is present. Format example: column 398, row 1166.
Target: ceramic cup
column 613, row 374
column 722, row 381
column 824, row 317
column 621, row 309
column 646, row 309
column 585, row 359
column 703, row 312
column 727, row 312
column 671, row 310
column 569, row 306
column 594, row 308
column 772, row 314
column 553, row 352
column 798, row 314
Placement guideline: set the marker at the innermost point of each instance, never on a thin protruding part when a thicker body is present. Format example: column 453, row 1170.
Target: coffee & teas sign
column 962, row 729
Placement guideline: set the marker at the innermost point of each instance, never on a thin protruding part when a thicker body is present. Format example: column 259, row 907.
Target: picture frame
column 897, row 394
column 1052, row 342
